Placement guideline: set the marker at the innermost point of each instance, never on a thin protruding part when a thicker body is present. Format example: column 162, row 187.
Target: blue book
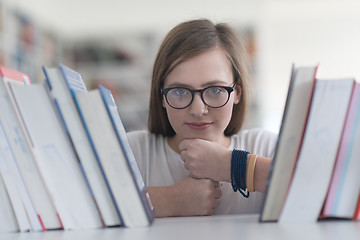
column 63, row 82
column 108, row 136
column 128, row 154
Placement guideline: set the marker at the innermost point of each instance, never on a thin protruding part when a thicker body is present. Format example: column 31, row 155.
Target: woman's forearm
column 261, row 173
column 161, row 200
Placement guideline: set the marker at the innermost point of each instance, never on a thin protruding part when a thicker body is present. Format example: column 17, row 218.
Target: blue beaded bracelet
column 238, row 171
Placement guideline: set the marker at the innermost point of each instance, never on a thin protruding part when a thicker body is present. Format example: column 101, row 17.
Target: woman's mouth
column 199, row 125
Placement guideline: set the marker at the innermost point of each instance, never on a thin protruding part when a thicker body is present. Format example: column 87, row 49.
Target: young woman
column 198, row 102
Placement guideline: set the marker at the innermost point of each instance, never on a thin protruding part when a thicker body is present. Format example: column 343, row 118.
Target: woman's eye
column 180, row 91
column 215, row 90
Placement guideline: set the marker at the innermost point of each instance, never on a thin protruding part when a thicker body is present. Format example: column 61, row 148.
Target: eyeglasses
column 213, row 96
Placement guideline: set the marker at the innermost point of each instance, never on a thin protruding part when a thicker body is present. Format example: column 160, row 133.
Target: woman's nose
column 198, row 107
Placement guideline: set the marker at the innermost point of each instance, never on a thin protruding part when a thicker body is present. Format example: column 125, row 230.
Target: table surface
column 209, row 227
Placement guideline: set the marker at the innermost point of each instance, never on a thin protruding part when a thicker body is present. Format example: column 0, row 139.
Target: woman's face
column 211, row 68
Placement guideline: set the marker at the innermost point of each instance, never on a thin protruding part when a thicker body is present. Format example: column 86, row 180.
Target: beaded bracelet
column 238, row 171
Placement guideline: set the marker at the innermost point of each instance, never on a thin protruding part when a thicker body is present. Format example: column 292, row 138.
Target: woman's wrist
column 250, row 172
column 161, row 198
column 226, row 176
column 247, row 171
column 261, row 173
column 238, row 169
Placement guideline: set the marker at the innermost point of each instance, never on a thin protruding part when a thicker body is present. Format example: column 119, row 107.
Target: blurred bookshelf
column 24, row 45
column 122, row 62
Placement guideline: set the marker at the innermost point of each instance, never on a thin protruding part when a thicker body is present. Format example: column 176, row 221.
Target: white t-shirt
column 160, row 165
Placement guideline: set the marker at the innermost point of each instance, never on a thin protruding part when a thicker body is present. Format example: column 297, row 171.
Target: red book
column 357, row 212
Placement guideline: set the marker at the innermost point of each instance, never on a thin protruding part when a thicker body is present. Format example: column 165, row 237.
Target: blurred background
column 114, row 43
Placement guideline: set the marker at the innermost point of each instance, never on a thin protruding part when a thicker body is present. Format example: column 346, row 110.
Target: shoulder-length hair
column 189, row 39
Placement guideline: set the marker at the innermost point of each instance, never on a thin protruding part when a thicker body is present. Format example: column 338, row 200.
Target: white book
column 10, row 210
column 8, row 221
column 56, row 158
column 342, row 198
column 290, row 137
column 134, row 206
column 25, row 157
column 62, row 82
column 318, row 151
column 29, row 183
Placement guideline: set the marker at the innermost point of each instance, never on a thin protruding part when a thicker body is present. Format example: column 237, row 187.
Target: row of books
column 315, row 170
column 66, row 163
column 65, row 160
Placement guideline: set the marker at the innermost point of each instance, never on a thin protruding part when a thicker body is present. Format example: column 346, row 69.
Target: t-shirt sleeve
column 257, row 141
column 266, row 142
column 139, row 145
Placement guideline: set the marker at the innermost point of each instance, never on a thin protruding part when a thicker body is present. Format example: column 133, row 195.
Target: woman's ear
column 237, row 93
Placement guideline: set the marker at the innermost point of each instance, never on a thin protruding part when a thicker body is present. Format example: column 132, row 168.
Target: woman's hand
column 188, row 197
column 205, row 159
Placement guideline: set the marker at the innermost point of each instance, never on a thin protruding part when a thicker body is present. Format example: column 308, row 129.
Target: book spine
column 73, row 79
column 128, row 155
column 96, row 154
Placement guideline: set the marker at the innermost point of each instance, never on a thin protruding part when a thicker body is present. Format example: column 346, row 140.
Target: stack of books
column 314, row 174
column 66, row 162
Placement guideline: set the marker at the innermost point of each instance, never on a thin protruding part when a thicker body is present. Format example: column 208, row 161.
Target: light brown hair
column 187, row 40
